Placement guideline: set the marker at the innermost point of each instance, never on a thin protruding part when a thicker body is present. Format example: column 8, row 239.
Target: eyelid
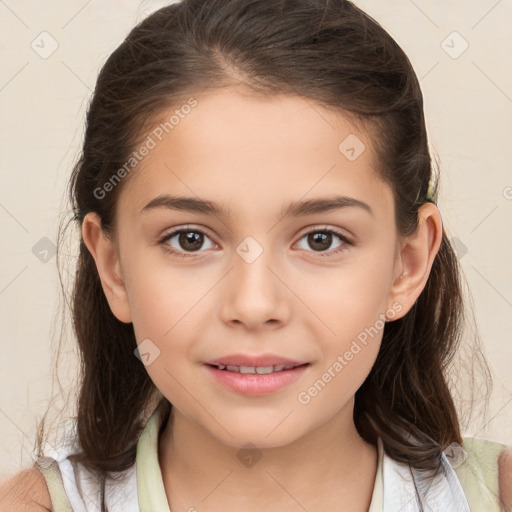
column 185, row 227
column 326, row 227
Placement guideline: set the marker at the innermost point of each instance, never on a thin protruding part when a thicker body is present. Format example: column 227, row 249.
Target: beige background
column 468, row 102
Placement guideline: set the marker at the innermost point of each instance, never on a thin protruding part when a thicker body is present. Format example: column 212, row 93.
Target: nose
column 255, row 294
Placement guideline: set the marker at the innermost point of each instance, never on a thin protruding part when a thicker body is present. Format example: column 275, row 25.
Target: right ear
column 106, row 255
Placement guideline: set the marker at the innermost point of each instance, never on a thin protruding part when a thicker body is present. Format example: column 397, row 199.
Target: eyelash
column 162, row 241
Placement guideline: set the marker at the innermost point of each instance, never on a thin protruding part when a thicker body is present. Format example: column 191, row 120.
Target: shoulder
column 487, row 470
column 25, row 492
column 505, row 477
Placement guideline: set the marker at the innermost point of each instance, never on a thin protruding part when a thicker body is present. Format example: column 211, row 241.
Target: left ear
column 415, row 258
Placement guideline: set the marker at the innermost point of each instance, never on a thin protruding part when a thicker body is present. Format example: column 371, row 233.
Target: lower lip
column 255, row 384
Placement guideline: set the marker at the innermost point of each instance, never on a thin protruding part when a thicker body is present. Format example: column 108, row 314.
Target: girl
column 265, row 301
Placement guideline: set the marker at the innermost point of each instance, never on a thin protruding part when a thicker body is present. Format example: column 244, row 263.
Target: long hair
column 332, row 53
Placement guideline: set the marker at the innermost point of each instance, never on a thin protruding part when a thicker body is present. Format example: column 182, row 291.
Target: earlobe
column 106, row 256
column 415, row 258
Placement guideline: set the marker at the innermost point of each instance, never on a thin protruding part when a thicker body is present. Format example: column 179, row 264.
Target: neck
column 330, row 468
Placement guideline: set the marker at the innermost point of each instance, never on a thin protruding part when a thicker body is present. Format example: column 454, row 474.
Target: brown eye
column 321, row 240
column 185, row 240
column 190, row 240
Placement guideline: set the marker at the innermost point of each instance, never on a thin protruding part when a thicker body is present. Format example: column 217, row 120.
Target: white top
column 81, row 490
column 141, row 489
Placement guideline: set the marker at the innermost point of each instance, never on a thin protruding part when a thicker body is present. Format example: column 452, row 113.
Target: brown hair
column 332, row 53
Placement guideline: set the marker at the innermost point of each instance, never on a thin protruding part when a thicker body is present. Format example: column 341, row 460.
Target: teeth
column 260, row 370
column 264, row 369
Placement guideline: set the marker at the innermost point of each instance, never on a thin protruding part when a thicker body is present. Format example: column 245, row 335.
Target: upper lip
column 263, row 360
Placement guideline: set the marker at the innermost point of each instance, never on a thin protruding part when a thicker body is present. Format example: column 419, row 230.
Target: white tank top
column 140, row 488
column 73, row 488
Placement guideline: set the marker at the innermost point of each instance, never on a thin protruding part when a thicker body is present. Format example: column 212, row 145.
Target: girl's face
column 311, row 287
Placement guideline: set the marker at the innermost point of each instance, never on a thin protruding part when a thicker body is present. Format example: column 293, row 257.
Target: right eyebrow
column 186, row 204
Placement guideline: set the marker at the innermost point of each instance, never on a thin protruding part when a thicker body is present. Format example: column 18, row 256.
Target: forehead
column 240, row 149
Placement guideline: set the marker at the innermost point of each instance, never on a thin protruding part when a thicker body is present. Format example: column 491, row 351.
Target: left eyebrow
column 295, row 208
column 323, row 205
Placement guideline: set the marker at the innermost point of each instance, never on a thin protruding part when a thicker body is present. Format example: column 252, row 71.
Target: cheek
column 354, row 314
column 337, row 381
column 165, row 311
column 163, row 298
column 171, row 308
column 349, row 298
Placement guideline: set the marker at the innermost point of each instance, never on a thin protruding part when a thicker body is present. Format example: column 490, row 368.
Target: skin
column 254, row 155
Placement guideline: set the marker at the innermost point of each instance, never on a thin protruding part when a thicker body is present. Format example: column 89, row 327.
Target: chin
column 258, row 441
column 260, row 433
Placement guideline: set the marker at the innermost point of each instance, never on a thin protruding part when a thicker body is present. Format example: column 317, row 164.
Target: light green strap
column 150, row 486
column 51, row 473
column 479, row 476
column 377, row 503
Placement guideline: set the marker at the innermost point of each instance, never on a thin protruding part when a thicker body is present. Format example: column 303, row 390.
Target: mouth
column 256, row 376
column 260, row 370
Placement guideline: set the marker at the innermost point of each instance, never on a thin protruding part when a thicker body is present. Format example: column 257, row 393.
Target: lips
column 260, row 365
column 260, row 370
column 255, row 375
column 259, row 361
